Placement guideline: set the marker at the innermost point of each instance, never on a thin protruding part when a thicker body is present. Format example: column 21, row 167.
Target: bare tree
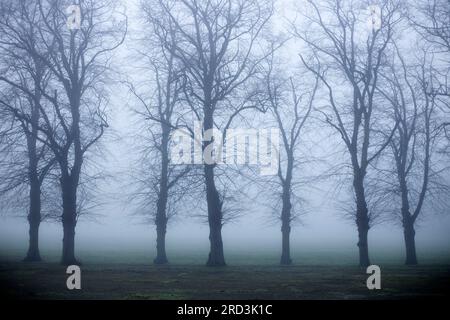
column 415, row 144
column 161, row 109
column 73, row 117
column 23, row 77
column 431, row 18
column 290, row 106
column 217, row 45
column 348, row 62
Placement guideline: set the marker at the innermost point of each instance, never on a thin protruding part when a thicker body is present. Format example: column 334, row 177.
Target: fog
column 116, row 231
column 322, row 231
column 322, row 234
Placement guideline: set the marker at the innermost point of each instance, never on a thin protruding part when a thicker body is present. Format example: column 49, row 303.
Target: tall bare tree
column 77, row 46
column 348, row 57
column 415, row 143
column 431, row 18
column 290, row 105
column 161, row 110
column 23, row 77
column 217, row 44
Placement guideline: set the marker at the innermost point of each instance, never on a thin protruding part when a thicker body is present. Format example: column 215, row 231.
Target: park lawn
column 145, row 281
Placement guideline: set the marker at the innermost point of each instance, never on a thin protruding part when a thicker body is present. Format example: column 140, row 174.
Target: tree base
column 160, row 261
column 285, row 261
column 70, row 262
column 411, row 262
column 215, row 262
column 32, row 258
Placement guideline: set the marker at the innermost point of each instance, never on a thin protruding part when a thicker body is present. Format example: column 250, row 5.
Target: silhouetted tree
column 431, row 18
column 217, row 45
column 23, row 78
column 160, row 110
column 290, row 105
column 348, row 57
column 415, row 144
column 73, row 117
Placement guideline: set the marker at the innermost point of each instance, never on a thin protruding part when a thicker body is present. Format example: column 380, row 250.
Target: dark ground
column 139, row 281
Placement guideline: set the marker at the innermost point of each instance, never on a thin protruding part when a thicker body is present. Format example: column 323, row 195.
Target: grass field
column 137, row 281
column 316, row 274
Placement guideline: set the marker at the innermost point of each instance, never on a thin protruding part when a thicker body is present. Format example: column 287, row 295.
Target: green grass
column 137, row 281
column 316, row 274
column 236, row 257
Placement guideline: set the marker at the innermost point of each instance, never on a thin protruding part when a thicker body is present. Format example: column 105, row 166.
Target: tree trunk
column 69, row 221
column 161, row 257
column 163, row 195
column 161, row 227
column 285, row 248
column 363, row 246
column 410, row 243
column 362, row 222
column 216, row 256
column 286, row 227
column 34, row 213
column 34, row 220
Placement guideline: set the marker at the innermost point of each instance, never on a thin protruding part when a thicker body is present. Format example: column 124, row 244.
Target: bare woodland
column 376, row 79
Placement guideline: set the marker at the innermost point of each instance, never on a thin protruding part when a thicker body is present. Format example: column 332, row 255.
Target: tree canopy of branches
column 339, row 52
column 290, row 105
column 162, row 184
column 23, row 77
column 415, row 144
column 217, row 45
column 73, row 116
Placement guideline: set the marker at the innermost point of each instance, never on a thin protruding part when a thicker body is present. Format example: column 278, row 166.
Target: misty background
column 114, row 233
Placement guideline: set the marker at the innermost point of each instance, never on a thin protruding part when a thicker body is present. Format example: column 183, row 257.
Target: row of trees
column 53, row 92
column 376, row 79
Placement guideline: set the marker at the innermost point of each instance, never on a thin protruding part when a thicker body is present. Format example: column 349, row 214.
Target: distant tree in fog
column 348, row 57
column 73, row 112
column 290, row 102
column 26, row 160
column 415, row 163
column 218, row 45
column 431, row 18
column 161, row 184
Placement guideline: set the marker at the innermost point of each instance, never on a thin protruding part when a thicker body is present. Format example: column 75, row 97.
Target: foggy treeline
column 375, row 74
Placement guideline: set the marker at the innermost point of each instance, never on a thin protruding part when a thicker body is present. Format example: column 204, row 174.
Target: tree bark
column 285, row 248
column 362, row 222
column 363, row 245
column 163, row 195
column 410, row 243
column 161, row 226
column 161, row 257
column 216, row 256
column 69, row 221
column 34, row 213
column 34, row 220
column 408, row 223
column 286, row 228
